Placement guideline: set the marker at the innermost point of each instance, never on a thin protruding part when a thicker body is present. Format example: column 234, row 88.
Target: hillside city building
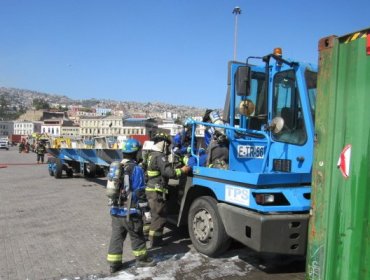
column 80, row 122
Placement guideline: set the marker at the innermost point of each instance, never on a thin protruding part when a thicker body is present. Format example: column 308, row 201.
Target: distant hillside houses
column 91, row 117
column 80, row 122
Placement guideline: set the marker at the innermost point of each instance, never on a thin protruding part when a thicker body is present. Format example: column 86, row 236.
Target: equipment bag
column 134, row 180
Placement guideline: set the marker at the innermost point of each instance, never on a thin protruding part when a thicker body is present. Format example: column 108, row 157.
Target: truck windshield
column 287, row 105
column 311, row 82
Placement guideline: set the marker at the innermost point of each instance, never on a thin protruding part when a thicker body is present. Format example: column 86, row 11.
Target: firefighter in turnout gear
column 125, row 188
column 159, row 171
column 40, row 151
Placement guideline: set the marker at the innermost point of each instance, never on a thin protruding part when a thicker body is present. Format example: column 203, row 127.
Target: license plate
column 246, row 151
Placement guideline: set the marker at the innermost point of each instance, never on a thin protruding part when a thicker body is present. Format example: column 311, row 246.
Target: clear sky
column 147, row 51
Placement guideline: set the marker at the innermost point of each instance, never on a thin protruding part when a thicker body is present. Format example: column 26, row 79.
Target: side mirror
column 242, row 80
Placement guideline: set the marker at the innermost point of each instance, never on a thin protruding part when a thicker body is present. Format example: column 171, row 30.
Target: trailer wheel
column 58, row 168
column 90, row 170
column 206, row 230
column 69, row 172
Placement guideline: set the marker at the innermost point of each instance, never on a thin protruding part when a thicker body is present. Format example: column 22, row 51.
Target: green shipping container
column 338, row 245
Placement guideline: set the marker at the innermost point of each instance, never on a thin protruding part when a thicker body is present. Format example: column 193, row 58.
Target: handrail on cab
column 249, row 132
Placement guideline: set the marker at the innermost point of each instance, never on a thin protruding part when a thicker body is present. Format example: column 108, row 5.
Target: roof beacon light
column 278, row 52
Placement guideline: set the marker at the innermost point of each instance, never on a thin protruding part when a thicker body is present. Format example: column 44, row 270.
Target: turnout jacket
column 159, row 171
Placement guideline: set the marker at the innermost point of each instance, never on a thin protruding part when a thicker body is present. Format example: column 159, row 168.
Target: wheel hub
column 203, row 225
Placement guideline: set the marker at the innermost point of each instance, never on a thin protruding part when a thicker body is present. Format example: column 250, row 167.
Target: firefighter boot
column 145, row 261
column 114, row 267
column 156, row 241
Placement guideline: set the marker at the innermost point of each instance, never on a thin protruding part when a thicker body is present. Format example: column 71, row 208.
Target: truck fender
column 191, row 192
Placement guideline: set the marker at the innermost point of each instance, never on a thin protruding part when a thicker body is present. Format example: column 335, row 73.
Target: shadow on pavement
column 268, row 263
column 99, row 181
column 176, row 242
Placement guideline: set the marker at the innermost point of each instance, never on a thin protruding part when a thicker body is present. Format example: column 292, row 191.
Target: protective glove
column 185, row 169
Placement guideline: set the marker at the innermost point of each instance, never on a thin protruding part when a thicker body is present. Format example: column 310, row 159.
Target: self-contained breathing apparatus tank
column 114, row 181
column 217, row 132
column 125, row 192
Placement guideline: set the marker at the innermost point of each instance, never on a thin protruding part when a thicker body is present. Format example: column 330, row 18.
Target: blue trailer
column 263, row 199
column 87, row 162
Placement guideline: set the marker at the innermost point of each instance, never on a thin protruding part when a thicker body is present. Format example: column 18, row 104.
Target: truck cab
column 262, row 198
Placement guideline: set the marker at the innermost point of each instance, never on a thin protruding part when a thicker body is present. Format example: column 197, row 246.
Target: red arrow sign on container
column 344, row 161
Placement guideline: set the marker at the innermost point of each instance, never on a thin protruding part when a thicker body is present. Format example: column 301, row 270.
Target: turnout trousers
column 120, row 228
column 158, row 210
column 40, row 158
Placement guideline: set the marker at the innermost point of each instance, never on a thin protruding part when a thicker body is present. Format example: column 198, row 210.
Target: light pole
column 237, row 11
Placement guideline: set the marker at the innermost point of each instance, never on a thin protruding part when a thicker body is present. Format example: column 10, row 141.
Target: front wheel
column 51, row 163
column 206, row 230
column 58, row 168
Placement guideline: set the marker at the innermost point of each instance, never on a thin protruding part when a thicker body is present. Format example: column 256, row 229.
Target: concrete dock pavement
column 49, row 229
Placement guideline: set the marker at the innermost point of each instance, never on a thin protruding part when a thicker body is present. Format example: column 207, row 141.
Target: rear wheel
column 206, row 230
column 90, row 170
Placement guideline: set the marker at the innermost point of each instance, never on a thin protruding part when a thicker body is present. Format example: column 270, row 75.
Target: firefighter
column 216, row 141
column 40, row 151
column 159, row 171
column 126, row 217
column 21, row 146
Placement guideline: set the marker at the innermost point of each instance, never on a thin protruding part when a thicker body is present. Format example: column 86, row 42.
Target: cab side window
column 258, row 96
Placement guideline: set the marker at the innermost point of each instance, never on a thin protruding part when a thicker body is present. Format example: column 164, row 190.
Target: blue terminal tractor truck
column 263, row 198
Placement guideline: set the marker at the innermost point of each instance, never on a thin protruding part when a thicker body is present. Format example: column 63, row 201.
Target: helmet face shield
column 162, row 137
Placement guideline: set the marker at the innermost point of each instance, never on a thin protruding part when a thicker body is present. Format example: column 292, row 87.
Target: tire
column 51, row 162
column 90, row 170
column 101, row 171
column 58, row 168
column 206, row 230
column 69, row 172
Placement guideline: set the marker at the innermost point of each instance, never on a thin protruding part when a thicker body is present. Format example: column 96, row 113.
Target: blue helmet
column 202, row 151
column 130, row 146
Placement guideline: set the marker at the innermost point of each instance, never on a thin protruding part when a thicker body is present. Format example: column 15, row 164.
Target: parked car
column 4, row 143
